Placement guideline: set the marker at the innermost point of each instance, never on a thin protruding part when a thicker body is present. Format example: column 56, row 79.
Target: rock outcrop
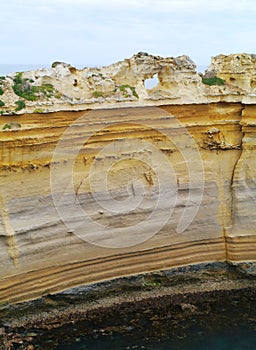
column 110, row 190
column 64, row 87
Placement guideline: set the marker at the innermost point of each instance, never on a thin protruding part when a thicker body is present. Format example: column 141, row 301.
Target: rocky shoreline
column 122, row 305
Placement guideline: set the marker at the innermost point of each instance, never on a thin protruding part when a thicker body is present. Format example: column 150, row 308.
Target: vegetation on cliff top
column 124, row 88
column 97, row 94
column 2, row 79
column 23, row 88
column 213, row 81
column 20, row 105
column 55, row 64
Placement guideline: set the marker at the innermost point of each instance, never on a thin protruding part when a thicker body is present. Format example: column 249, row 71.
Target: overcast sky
column 98, row 32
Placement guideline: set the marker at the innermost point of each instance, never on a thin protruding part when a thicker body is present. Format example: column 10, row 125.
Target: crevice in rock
column 232, row 182
column 12, row 249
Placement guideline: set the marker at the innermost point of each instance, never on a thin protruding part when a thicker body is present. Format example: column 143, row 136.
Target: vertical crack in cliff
column 233, row 176
column 225, row 212
column 12, row 249
column 232, row 188
column 222, row 206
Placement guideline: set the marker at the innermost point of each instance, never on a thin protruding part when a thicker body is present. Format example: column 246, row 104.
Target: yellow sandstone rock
column 111, row 190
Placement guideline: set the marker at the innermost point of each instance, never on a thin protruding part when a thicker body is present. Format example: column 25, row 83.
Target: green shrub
column 142, row 54
column 124, row 88
column 1, row 83
column 18, row 78
column 46, row 89
column 55, row 64
column 213, row 81
column 1, row 103
column 38, row 110
column 24, row 89
column 11, row 125
column 97, row 94
column 58, row 95
column 6, row 126
column 20, row 105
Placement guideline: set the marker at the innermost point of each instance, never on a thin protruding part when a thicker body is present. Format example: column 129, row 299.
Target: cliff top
column 229, row 78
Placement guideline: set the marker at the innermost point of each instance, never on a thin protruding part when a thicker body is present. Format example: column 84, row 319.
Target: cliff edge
column 101, row 177
column 229, row 78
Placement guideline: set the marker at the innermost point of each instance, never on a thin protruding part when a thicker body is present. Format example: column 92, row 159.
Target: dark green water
column 216, row 320
column 236, row 339
column 239, row 339
column 213, row 321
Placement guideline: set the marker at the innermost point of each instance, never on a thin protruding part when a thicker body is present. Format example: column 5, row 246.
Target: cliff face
column 123, row 84
column 96, row 194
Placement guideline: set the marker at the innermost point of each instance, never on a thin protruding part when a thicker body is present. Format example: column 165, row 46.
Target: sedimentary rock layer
column 93, row 195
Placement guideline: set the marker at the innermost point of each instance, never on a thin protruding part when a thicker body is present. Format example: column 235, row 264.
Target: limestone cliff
column 111, row 190
column 122, row 84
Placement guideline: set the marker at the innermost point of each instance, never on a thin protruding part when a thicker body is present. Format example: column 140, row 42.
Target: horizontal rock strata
column 93, row 195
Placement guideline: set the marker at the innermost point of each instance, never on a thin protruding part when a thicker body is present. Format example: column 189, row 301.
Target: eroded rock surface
column 92, row 195
column 122, row 84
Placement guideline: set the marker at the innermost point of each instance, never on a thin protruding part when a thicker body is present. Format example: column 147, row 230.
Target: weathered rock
column 97, row 194
column 63, row 87
column 237, row 70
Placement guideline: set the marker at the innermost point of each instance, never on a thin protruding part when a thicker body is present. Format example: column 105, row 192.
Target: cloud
column 101, row 32
column 159, row 6
column 162, row 5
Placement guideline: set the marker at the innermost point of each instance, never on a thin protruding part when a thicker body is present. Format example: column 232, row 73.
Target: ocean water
column 218, row 320
column 6, row 69
column 237, row 339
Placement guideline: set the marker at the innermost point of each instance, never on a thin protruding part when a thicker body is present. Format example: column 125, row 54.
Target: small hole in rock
column 151, row 82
